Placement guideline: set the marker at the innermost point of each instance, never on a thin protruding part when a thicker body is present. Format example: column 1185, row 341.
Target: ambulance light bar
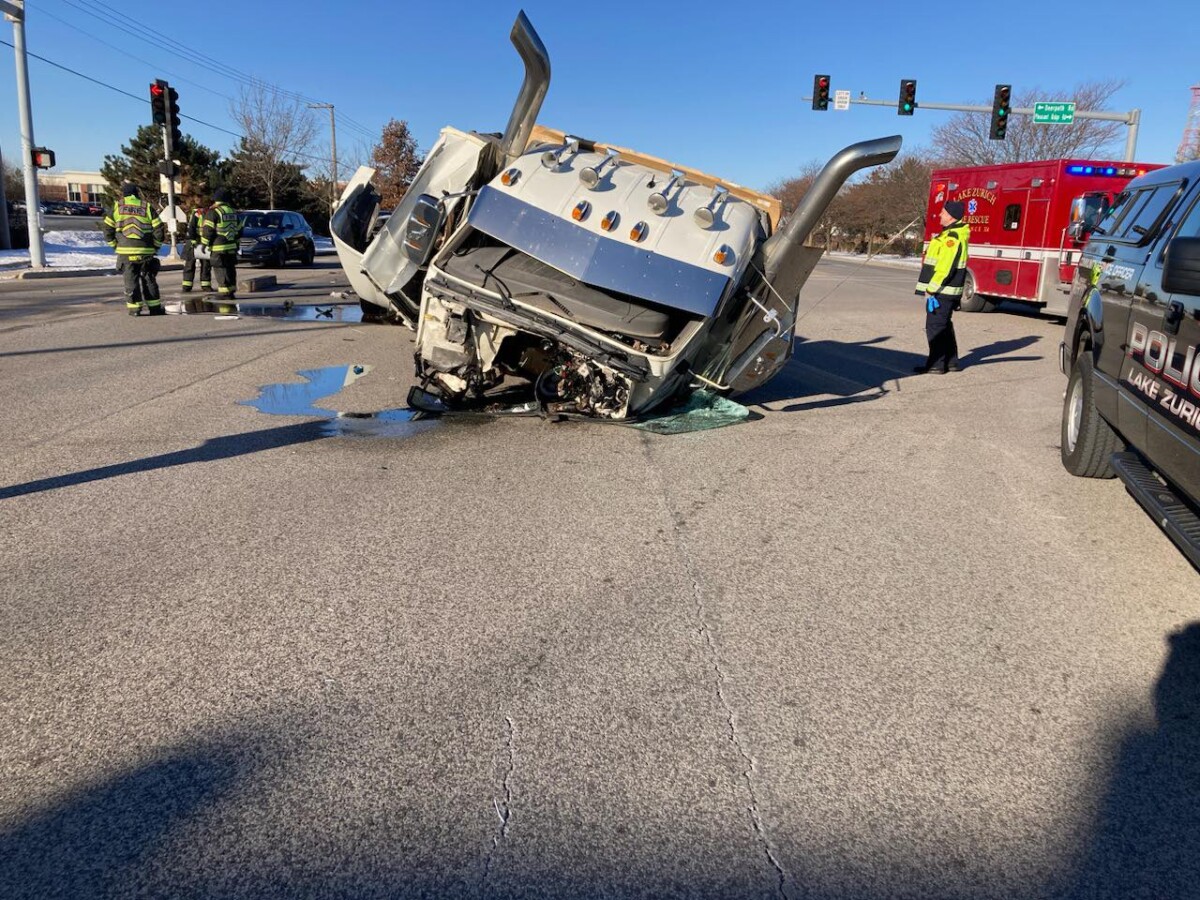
column 1104, row 170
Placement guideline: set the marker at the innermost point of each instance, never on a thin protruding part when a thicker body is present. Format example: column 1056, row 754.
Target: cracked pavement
column 873, row 644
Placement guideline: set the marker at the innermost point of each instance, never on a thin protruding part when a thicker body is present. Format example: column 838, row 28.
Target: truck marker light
column 609, row 222
column 638, row 232
column 581, row 210
column 510, row 176
column 722, row 255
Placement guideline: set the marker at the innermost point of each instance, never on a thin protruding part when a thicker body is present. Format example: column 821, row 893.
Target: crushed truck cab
column 547, row 273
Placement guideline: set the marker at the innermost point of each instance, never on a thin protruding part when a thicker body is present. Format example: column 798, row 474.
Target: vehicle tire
column 310, row 254
column 279, row 260
column 1088, row 442
column 971, row 301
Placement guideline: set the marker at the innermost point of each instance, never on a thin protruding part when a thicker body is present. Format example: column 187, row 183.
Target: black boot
column 158, row 310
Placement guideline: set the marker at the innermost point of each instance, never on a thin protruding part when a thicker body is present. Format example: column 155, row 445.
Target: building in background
column 78, row 186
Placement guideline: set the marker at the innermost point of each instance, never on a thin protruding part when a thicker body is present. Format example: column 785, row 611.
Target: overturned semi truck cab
column 544, row 272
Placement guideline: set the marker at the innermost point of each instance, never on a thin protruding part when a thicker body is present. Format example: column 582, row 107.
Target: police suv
column 1132, row 406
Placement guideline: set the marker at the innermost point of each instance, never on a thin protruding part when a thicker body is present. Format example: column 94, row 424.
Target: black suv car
column 273, row 236
column 1132, row 351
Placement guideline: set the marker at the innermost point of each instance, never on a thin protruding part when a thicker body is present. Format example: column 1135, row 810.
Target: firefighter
column 190, row 257
column 220, row 233
column 943, row 275
column 136, row 233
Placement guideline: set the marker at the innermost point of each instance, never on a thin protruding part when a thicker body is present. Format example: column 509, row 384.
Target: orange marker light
column 722, row 255
column 581, row 210
column 609, row 222
column 510, row 176
column 638, row 232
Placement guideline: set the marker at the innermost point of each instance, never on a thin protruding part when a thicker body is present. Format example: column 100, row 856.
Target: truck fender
column 1089, row 332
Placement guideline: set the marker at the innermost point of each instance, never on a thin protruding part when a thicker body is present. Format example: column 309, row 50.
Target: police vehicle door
column 1123, row 255
column 1173, row 426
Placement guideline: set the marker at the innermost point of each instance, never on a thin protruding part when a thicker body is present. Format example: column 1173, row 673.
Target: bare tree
column 278, row 133
column 963, row 139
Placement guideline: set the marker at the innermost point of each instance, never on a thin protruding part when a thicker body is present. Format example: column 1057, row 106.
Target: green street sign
column 1053, row 113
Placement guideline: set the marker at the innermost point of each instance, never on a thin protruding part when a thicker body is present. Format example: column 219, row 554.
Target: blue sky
column 715, row 85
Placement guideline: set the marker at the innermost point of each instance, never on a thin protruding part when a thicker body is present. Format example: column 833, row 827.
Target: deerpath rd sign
column 1053, row 113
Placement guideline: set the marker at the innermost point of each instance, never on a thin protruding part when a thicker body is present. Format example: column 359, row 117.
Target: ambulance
column 1029, row 222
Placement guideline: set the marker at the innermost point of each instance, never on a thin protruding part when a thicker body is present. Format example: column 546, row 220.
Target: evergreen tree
column 138, row 162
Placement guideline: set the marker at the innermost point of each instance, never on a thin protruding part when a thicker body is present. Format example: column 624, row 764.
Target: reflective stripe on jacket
column 195, row 222
column 944, row 271
column 221, row 228
column 132, row 229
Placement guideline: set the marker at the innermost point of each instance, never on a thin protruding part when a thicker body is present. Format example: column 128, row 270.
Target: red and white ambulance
column 1023, row 246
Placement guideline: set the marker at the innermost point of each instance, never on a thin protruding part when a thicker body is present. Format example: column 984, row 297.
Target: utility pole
column 14, row 11
column 1131, row 119
column 333, row 144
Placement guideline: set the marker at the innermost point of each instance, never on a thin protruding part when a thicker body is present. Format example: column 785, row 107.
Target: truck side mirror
column 422, row 228
column 1077, row 231
column 1181, row 266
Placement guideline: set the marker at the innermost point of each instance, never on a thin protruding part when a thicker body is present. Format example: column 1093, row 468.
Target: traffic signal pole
column 15, row 12
column 1132, row 119
column 172, row 224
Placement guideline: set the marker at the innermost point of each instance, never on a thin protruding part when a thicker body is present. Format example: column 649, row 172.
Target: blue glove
column 931, row 304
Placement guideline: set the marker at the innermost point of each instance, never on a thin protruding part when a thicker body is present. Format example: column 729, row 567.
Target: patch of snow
column 71, row 250
column 324, row 245
column 883, row 259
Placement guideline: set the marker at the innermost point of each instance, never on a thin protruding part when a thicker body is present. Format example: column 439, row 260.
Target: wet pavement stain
column 300, row 400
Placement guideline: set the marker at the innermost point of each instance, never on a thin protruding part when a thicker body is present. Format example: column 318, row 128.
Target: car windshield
column 262, row 220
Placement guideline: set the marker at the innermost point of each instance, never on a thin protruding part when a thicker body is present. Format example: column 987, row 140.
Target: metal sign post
column 14, row 11
column 174, row 254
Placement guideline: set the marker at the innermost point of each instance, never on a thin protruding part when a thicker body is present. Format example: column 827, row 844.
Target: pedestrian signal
column 42, row 158
column 1001, row 111
column 158, row 102
column 820, row 97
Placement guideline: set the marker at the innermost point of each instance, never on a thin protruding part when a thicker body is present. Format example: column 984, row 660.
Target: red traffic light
column 156, row 90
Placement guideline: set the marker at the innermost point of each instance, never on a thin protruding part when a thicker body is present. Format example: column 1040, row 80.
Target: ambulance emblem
column 972, row 206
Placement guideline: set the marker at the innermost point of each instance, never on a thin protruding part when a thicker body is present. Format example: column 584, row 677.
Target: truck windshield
column 1094, row 208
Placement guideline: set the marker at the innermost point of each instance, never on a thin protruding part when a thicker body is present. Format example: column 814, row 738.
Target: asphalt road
column 873, row 643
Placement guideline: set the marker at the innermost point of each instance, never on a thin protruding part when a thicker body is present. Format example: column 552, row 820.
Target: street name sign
column 1053, row 113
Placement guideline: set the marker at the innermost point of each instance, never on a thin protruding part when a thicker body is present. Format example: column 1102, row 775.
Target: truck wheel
column 971, row 301
column 1088, row 442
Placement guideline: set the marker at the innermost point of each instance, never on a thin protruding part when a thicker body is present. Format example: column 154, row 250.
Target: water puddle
column 301, row 400
column 307, row 312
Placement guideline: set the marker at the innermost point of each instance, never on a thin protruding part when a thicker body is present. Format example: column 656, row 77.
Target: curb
column 26, row 274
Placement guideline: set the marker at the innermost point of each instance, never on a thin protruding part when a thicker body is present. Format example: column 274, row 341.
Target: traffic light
column 908, row 98
column 158, row 102
column 42, row 158
column 1001, row 110
column 173, row 111
column 821, row 92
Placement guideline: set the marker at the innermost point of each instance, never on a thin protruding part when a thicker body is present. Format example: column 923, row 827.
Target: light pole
column 14, row 11
column 333, row 145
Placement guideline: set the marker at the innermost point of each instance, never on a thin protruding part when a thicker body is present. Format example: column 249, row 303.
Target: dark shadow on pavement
column 995, row 351
column 223, row 447
column 99, row 840
column 1146, row 841
column 175, row 340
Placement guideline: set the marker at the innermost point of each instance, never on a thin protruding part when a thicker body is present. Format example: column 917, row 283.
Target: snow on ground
column 79, row 250
column 888, row 259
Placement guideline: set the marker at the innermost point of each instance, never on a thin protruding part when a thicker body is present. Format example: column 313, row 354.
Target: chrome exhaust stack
column 533, row 88
column 786, row 267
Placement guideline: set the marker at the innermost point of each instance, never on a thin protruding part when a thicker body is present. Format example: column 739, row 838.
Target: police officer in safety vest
column 190, row 258
column 220, row 233
column 943, row 275
column 136, row 233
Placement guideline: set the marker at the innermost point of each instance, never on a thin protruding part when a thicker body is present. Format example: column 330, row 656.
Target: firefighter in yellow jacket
column 135, row 232
column 220, row 233
column 943, row 275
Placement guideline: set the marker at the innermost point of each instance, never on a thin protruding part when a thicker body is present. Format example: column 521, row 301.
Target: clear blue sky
column 716, row 85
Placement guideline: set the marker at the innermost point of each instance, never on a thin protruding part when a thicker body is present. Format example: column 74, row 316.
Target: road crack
column 503, row 806
column 720, row 679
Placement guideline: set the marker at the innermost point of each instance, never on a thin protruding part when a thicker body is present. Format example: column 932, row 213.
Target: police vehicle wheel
column 1088, row 442
column 971, row 301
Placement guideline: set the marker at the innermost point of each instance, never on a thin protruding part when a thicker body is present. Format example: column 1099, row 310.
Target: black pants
column 224, row 267
column 189, row 268
column 939, row 331
column 141, row 281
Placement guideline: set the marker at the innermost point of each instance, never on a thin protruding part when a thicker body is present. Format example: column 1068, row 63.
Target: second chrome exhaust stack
column 533, row 88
